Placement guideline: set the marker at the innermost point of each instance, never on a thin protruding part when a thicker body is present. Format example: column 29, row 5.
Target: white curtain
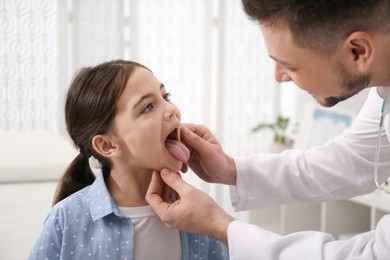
column 208, row 54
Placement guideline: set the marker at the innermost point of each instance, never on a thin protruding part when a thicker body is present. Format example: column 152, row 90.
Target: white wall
column 24, row 207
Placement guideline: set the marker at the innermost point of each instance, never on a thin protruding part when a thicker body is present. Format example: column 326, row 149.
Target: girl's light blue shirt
column 88, row 225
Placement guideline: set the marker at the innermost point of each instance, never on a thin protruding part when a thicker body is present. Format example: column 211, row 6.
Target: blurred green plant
column 279, row 129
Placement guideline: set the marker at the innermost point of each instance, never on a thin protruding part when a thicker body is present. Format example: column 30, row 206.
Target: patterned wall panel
column 29, row 70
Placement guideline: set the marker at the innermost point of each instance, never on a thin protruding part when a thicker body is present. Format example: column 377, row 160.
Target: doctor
column 333, row 50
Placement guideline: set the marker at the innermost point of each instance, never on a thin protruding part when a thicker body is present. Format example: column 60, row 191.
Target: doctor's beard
column 353, row 84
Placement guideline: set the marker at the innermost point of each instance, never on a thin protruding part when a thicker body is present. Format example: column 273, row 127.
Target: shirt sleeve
column 340, row 169
column 248, row 241
column 49, row 242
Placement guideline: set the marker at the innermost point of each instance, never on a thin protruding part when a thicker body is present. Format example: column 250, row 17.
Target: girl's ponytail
column 77, row 176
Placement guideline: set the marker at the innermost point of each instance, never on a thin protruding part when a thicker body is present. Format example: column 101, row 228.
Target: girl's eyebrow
column 146, row 96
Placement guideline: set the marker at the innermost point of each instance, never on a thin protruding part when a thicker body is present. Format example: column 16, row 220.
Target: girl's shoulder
column 75, row 202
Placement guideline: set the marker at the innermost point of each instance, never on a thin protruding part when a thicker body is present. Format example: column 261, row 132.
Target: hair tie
column 86, row 155
column 85, row 152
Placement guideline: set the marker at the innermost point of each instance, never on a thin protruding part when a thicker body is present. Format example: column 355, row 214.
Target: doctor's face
column 326, row 78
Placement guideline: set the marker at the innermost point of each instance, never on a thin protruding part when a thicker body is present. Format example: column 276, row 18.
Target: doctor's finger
column 175, row 181
column 199, row 140
column 154, row 194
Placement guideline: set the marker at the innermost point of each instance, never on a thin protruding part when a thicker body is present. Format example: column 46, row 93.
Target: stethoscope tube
column 377, row 150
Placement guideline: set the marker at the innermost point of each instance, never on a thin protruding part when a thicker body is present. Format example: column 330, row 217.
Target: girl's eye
column 148, row 108
column 167, row 97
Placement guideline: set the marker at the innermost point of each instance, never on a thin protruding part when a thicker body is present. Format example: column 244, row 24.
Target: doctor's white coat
column 341, row 169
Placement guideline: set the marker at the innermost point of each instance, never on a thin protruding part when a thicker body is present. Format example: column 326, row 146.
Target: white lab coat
column 341, row 169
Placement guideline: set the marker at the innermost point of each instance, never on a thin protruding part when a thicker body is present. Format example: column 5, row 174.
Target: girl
column 119, row 113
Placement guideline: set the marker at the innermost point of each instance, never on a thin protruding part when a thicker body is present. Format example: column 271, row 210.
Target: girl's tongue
column 178, row 150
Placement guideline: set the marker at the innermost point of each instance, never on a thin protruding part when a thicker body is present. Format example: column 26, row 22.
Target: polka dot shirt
column 88, row 225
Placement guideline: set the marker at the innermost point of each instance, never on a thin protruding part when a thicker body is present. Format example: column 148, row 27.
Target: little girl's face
column 144, row 119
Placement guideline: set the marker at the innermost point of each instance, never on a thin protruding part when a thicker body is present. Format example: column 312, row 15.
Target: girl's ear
column 105, row 146
column 360, row 50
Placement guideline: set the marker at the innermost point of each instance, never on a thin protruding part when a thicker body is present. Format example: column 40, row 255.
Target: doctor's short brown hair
column 320, row 25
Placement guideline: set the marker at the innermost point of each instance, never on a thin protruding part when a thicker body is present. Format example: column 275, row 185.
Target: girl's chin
column 172, row 163
column 174, row 166
column 177, row 166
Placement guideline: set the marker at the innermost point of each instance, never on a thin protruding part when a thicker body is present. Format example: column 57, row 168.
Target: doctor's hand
column 207, row 159
column 194, row 211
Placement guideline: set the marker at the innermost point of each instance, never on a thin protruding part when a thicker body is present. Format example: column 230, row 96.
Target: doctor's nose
column 281, row 75
column 171, row 111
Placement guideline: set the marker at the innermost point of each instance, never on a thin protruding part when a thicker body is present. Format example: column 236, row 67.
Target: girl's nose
column 171, row 111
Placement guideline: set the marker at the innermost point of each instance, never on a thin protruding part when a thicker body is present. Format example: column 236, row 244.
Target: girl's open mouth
column 175, row 147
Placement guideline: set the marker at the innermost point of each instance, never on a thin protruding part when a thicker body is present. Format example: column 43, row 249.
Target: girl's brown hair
column 89, row 110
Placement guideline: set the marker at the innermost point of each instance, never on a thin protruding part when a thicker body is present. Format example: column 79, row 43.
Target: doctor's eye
column 167, row 97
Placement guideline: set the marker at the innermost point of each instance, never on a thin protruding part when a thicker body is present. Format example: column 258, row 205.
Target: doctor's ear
column 360, row 49
column 105, row 146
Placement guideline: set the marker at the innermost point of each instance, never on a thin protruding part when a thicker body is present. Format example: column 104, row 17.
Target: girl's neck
column 128, row 187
